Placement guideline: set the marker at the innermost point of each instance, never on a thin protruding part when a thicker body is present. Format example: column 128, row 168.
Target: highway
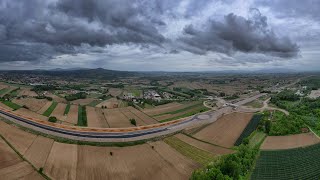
column 116, row 134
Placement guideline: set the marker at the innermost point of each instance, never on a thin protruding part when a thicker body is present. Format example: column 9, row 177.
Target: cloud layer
column 42, row 30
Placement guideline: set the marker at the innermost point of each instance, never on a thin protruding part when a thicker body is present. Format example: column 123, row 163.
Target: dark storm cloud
column 40, row 29
column 236, row 33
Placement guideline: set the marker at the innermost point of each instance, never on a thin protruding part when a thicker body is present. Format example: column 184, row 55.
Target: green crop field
column 3, row 91
column 50, row 109
column 299, row 163
column 198, row 155
column 82, row 116
column 66, row 111
column 11, row 105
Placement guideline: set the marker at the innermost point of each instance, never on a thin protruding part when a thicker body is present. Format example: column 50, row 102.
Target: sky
column 160, row 35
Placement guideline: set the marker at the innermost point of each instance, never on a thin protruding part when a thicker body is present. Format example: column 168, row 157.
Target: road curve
column 114, row 134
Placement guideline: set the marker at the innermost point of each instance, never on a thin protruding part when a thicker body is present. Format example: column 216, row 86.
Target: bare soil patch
column 145, row 118
column 115, row 92
column 290, row 141
column 31, row 103
column 226, row 130
column 95, row 118
column 31, row 114
column 38, row 152
column 18, row 138
column 215, row 150
column 62, row 161
column 130, row 115
column 83, row 101
column 314, row 94
column 56, row 98
column 58, row 112
column 110, row 103
column 116, row 119
column 5, row 106
column 8, row 156
column 27, row 92
column 45, row 107
column 163, row 108
column 72, row 116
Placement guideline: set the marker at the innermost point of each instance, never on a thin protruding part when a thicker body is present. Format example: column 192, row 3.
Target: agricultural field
column 192, row 152
column 11, row 105
column 49, row 111
column 290, row 141
column 58, row 112
column 72, row 116
column 70, row 161
column 45, row 107
column 13, row 167
column 254, row 104
column 142, row 116
column 256, row 138
column 174, row 111
column 82, row 116
column 56, row 98
column 251, row 126
column 27, row 92
column 32, row 104
column 299, row 163
column 226, row 130
column 96, row 118
column 5, row 106
column 115, row 92
column 31, row 114
column 116, row 119
column 215, row 150
column 111, row 103
column 83, row 102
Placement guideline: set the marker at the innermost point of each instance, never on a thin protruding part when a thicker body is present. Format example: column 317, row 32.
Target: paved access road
column 117, row 134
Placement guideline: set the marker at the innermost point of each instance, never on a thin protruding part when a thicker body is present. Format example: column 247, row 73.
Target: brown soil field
column 32, row 103
column 215, row 150
column 58, row 112
column 163, row 108
column 290, row 141
column 110, row 103
column 179, row 162
column 31, row 114
column 5, row 106
column 19, row 139
column 167, row 116
column 95, row 118
column 226, row 130
column 130, row 115
column 83, row 101
column 56, row 98
column 17, row 171
column 72, row 116
column 115, row 92
column 145, row 118
column 116, row 119
column 62, row 161
column 8, row 156
column 27, row 92
column 45, row 107
column 38, row 152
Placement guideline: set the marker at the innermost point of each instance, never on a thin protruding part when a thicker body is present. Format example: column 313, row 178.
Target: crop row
column 299, row 163
column 251, row 126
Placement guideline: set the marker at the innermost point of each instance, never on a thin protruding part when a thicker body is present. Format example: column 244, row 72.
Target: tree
column 267, row 126
column 52, row 119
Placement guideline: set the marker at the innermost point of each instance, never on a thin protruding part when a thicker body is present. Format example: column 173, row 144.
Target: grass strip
column 179, row 110
column 82, row 116
column 50, row 109
column 202, row 109
column 3, row 91
column 198, row 155
column 12, row 105
column 66, row 111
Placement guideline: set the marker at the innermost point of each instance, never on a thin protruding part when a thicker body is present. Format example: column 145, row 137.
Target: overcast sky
column 166, row 35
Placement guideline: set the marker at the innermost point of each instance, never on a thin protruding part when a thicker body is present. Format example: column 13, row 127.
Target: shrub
column 52, row 119
column 133, row 122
